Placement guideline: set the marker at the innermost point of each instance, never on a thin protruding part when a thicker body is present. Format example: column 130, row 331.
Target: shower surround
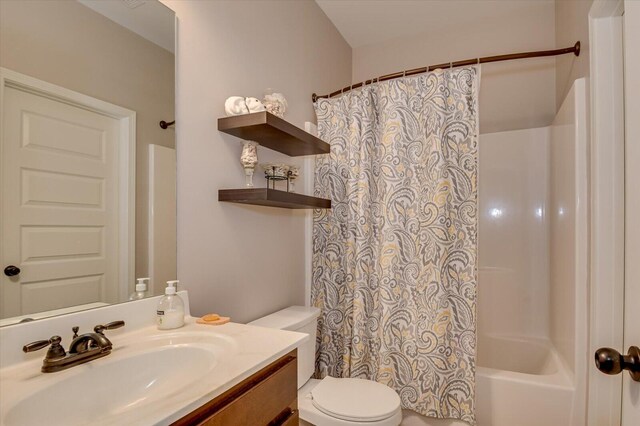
column 532, row 286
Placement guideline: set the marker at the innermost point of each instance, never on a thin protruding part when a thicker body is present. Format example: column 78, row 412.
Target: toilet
column 332, row 401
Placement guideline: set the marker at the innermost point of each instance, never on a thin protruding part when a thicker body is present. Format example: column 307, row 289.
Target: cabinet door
column 292, row 419
column 269, row 397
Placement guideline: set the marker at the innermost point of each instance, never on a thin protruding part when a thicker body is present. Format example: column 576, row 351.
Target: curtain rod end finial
column 314, row 97
column 577, row 48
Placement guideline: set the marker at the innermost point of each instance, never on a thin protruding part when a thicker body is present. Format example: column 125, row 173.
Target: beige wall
column 68, row 44
column 572, row 24
column 243, row 261
column 513, row 95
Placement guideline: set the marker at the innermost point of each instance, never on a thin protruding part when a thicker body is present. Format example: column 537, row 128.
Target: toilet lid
column 355, row 399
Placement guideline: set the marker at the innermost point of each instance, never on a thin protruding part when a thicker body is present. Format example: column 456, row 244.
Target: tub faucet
column 83, row 348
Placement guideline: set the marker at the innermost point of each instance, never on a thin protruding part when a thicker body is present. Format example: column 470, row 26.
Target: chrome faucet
column 83, row 348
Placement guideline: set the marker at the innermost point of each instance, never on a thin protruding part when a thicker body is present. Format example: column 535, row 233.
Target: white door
column 59, row 204
column 630, row 388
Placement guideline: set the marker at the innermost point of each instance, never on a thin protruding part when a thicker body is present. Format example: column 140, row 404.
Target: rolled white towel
column 254, row 105
column 235, row 105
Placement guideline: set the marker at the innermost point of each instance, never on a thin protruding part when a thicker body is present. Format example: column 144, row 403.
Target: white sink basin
column 114, row 387
column 145, row 371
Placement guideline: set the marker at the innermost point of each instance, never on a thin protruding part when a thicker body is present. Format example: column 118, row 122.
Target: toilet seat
column 355, row 400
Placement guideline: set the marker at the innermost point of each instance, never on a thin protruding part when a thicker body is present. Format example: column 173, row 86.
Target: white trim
column 607, row 205
column 127, row 159
column 581, row 362
column 631, row 389
column 162, row 225
column 308, row 177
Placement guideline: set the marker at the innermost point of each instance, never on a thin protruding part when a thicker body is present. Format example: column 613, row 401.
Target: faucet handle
column 35, row 346
column 75, row 331
column 55, row 351
column 110, row 326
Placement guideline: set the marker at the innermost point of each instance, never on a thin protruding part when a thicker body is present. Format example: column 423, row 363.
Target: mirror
column 87, row 174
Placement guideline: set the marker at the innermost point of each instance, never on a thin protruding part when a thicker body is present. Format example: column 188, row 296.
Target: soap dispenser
column 141, row 289
column 170, row 313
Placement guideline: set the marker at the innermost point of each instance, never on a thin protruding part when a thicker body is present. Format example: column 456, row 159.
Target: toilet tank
column 303, row 320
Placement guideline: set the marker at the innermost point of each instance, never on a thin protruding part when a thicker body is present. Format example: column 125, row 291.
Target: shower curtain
column 394, row 259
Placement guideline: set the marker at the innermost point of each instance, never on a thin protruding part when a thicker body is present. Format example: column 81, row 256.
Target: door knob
column 610, row 361
column 11, row 271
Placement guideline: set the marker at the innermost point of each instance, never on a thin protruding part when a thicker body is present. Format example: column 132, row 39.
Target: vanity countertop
column 193, row 364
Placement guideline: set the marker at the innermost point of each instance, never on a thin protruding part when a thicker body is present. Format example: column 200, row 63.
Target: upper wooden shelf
column 274, row 133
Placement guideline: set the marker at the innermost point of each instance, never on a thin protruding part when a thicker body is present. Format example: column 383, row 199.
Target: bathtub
column 519, row 382
column 522, row 382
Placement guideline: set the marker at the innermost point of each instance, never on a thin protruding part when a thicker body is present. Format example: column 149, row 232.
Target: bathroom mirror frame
column 129, row 177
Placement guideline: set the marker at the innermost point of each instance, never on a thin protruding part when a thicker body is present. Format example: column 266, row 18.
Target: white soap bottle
column 170, row 313
column 141, row 289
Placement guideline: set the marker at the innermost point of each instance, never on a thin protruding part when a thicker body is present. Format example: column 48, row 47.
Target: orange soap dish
column 213, row 319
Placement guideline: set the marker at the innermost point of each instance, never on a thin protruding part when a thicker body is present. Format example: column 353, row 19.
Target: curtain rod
column 575, row 49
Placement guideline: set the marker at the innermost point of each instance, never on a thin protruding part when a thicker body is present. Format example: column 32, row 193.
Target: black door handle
column 11, row 271
column 610, row 361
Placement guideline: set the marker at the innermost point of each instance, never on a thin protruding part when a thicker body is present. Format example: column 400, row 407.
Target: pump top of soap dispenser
column 172, row 287
column 141, row 285
column 141, row 289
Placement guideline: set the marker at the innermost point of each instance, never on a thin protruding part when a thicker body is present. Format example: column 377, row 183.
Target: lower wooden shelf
column 272, row 198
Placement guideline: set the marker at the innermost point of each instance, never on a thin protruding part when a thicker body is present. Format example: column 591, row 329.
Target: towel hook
column 166, row 125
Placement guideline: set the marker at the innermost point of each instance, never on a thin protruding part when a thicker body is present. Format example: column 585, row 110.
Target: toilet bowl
column 340, row 403
column 332, row 401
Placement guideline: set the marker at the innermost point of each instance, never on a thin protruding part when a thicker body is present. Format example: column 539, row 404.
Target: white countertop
column 241, row 350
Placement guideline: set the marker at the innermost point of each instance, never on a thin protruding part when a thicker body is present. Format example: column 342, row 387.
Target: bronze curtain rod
column 575, row 49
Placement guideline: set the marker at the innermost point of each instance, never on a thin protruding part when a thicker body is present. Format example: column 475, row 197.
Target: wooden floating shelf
column 274, row 133
column 272, row 198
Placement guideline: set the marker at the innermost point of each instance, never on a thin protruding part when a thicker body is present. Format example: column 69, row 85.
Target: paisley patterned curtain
column 394, row 260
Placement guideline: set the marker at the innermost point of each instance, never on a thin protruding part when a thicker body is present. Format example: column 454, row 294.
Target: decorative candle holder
column 275, row 103
column 274, row 172
column 249, row 159
column 294, row 172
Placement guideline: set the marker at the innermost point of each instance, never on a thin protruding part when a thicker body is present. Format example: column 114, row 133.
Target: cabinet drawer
column 269, row 397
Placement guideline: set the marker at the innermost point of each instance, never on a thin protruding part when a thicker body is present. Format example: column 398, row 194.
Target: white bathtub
column 521, row 382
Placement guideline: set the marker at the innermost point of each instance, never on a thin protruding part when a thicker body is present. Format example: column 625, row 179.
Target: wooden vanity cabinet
column 269, row 397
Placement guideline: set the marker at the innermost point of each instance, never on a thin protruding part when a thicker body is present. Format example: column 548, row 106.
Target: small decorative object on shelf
column 294, row 172
column 254, row 105
column 277, row 171
column 274, row 172
column 235, row 105
column 275, row 103
column 238, row 105
column 249, row 159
